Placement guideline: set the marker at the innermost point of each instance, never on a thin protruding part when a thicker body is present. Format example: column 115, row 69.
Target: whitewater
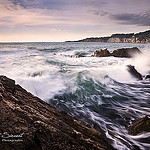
column 98, row 91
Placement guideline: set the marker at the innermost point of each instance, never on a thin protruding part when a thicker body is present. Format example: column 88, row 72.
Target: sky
column 63, row 20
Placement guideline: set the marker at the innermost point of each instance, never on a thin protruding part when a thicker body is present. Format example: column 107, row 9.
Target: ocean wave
column 98, row 91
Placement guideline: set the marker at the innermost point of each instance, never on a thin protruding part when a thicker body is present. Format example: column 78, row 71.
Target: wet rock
column 123, row 52
column 134, row 72
column 147, row 76
column 102, row 53
column 80, row 55
column 142, row 125
column 28, row 123
column 126, row 52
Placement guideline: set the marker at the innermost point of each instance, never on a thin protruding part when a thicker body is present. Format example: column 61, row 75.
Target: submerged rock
column 80, row 55
column 123, row 52
column 142, row 125
column 28, row 123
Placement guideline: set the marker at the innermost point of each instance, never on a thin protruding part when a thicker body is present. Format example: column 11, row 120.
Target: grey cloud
column 142, row 19
column 96, row 2
column 43, row 4
column 98, row 12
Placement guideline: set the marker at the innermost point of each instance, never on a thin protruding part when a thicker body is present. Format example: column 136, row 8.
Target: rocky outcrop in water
column 123, row 52
column 126, row 52
column 28, row 123
column 102, row 53
column 134, row 72
column 142, row 125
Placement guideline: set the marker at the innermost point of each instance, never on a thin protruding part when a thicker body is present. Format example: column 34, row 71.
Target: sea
column 98, row 91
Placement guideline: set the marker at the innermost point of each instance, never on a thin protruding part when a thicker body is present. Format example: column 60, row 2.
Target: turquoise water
column 98, row 91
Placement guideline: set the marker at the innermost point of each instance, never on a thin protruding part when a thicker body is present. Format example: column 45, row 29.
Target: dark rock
column 102, row 53
column 134, row 72
column 142, row 125
column 80, row 55
column 147, row 76
column 8, row 84
column 125, row 52
column 28, row 123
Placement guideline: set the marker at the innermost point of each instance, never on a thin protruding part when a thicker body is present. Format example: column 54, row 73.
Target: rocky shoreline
column 28, row 123
column 141, row 37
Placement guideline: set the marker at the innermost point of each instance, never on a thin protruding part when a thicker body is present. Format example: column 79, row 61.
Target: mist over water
column 98, row 91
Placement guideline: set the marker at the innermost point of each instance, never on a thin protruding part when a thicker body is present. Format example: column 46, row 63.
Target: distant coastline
column 141, row 37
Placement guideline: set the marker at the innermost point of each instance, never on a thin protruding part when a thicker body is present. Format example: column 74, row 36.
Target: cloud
column 98, row 12
column 72, row 17
column 46, row 4
column 16, row 13
column 13, row 13
column 96, row 3
column 142, row 19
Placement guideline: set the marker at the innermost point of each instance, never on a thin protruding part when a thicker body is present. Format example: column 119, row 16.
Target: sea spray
column 142, row 61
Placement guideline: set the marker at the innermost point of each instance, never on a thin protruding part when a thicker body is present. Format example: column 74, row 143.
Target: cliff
column 142, row 37
column 28, row 123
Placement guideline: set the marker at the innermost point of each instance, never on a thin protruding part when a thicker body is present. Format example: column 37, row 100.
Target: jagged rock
column 28, row 123
column 101, row 53
column 134, row 72
column 123, row 52
column 142, row 125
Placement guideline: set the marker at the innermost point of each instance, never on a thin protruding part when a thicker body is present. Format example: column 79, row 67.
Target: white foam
column 45, row 87
column 142, row 61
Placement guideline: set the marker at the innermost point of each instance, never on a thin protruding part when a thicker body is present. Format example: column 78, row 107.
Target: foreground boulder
column 28, row 123
column 123, row 52
column 142, row 125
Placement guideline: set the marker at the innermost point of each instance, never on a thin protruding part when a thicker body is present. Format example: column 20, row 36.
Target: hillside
column 142, row 37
